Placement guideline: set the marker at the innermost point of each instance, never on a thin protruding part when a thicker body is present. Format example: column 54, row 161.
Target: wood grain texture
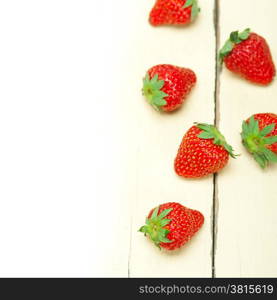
column 84, row 157
column 159, row 137
column 247, row 236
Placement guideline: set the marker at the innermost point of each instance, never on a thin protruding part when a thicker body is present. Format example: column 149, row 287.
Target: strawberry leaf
column 164, row 213
column 256, row 141
column 194, row 8
column 144, row 229
column 163, row 239
column 188, row 3
column 234, row 38
column 244, row 35
column 154, row 227
column 206, row 135
column 267, row 129
column 271, row 140
column 245, row 130
column 194, row 11
column 226, row 49
column 211, row 132
column 152, row 90
column 253, row 125
column 271, row 156
column 155, row 213
column 260, row 159
column 165, row 222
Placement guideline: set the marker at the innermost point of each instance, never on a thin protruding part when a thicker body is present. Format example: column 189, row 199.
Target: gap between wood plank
column 214, row 214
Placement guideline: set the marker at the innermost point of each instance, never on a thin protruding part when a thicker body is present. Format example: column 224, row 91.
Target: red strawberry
column 259, row 136
column 171, row 225
column 248, row 55
column 176, row 12
column 166, row 87
column 203, row 151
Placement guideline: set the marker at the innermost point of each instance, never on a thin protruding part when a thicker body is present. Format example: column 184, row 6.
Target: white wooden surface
column 64, row 196
column 83, row 157
column 247, row 231
column 159, row 137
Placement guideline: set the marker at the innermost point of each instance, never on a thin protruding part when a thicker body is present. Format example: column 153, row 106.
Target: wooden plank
column 247, row 235
column 64, row 207
column 159, row 138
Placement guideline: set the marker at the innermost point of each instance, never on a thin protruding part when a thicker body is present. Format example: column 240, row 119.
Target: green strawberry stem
column 152, row 91
column 154, row 227
column 256, row 142
column 211, row 132
column 194, row 8
column 234, row 39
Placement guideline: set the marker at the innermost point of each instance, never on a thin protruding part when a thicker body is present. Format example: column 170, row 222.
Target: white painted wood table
column 239, row 237
column 83, row 157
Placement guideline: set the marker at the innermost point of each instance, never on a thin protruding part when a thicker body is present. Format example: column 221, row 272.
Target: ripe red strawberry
column 166, row 87
column 248, row 55
column 203, row 151
column 171, row 225
column 259, row 136
column 176, row 12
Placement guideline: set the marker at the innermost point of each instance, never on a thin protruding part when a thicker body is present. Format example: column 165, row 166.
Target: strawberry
column 173, row 12
column 248, row 54
column 203, row 151
column 259, row 136
column 166, row 87
column 171, row 225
